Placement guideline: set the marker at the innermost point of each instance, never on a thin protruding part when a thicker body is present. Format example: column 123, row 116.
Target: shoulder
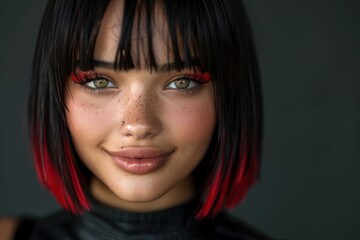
column 8, row 226
column 229, row 227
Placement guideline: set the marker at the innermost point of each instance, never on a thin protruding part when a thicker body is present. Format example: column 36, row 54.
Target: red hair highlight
column 225, row 192
column 53, row 179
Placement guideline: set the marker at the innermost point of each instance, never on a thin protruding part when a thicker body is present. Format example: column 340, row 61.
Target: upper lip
column 140, row 152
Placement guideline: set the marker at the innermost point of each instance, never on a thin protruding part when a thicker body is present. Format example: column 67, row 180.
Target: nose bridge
column 140, row 118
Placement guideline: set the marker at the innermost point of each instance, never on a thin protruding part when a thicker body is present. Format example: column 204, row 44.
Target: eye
column 92, row 80
column 99, row 84
column 183, row 83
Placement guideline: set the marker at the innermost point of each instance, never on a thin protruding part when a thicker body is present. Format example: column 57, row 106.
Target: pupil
column 182, row 83
column 100, row 83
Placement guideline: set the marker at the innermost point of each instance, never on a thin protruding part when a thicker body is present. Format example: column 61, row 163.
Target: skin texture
column 140, row 109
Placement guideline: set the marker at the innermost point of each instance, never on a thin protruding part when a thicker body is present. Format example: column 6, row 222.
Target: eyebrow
column 162, row 68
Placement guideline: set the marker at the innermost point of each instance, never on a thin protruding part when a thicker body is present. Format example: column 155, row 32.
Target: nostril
column 138, row 131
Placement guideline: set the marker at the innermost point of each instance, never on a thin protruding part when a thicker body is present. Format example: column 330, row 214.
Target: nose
column 141, row 116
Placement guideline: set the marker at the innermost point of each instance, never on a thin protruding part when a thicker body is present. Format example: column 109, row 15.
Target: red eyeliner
column 82, row 77
column 206, row 77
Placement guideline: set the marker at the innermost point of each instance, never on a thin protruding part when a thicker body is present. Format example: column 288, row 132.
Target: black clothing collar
column 106, row 223
column 175, row 223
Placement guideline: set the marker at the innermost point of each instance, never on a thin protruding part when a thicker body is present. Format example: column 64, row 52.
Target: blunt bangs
column 189, row 33
column 212, row 36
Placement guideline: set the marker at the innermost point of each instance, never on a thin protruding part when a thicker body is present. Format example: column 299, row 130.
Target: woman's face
column 140, row 133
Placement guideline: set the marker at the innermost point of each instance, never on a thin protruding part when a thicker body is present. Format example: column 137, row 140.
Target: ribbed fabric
column 106, row 223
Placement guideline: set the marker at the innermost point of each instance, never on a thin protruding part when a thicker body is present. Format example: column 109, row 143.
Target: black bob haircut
column 211, row 35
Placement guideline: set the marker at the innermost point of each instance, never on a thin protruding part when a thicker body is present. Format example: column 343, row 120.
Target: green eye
column 182, row 83
column 99, row 84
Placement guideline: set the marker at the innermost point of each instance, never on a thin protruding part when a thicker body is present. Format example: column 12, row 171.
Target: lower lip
column 140, row 165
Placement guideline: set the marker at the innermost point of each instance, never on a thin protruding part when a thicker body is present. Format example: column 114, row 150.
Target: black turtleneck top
column 103, row 222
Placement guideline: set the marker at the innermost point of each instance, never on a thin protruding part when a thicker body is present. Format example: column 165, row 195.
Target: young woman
column 145, row 119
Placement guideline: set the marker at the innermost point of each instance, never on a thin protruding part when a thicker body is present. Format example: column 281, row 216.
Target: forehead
column 133, row 32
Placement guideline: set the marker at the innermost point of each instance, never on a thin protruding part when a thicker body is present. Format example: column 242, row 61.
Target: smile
column 140, row 160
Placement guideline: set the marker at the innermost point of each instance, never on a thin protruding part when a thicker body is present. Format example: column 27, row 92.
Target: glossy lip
column 140, row 160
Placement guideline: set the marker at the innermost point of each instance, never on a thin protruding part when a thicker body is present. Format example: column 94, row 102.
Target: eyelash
column 84, row 78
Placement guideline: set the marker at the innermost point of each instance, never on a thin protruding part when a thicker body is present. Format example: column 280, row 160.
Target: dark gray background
column 310, row 61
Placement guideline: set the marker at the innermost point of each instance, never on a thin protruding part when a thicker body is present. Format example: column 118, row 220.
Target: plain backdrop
column 309, row 54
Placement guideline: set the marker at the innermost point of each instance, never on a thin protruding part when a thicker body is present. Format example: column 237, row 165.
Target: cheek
column 86, row 121
column 193, row 123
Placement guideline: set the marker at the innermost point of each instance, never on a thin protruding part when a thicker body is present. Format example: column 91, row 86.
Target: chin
column 140, row 195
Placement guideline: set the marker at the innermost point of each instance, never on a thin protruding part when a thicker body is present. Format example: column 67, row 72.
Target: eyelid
column 81, row 77
column 196, row 77
column 205, row 77
column 84, row 77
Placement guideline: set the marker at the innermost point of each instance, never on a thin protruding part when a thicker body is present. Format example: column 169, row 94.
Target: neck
column 181, row 193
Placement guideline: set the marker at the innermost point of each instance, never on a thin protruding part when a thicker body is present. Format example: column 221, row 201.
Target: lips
column 140, row 160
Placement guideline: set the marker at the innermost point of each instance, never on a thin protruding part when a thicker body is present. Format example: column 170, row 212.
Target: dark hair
column 215, row 37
